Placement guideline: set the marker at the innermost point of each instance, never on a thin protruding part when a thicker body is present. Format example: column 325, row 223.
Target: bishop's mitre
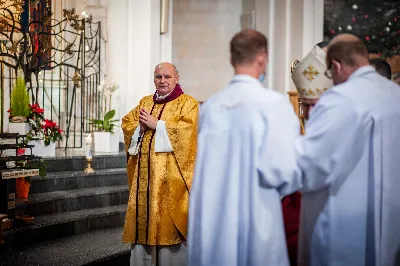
column 308, row 75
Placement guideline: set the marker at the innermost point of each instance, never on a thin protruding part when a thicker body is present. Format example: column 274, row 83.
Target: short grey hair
column 176, row 70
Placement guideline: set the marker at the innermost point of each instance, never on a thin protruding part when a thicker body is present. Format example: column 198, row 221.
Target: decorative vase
column 106, row 142
column 20, row 128
column 42, row 150
column 22, row 188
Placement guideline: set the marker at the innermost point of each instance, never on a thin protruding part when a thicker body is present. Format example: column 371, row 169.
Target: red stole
column 291, row 216
column 172, row 96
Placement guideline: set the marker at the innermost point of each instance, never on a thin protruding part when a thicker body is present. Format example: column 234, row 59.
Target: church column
column 134, row 48
column 166, row 38
column 293, row 27
column 142, row 52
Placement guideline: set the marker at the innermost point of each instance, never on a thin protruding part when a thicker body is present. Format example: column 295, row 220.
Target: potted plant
column 23, row 184
column 104, row 138
column 19, row 108
column 44, row 133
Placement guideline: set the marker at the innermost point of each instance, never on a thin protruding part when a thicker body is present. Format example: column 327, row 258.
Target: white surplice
column 162, row 141
column 350, row 158
column 145, row 255
column 246, row 135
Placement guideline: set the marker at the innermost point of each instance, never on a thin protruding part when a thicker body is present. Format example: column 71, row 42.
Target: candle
column 89, row 147
column 89, row 139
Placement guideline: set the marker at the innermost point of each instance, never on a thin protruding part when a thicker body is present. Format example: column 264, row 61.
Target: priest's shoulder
column 186, row 102
column 189, row 99
column 148, row 98
column 273, row 94
column 270, row 96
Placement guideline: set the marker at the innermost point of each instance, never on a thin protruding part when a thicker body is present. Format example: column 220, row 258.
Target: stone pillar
column 166, row 38
column 293, row 27
column 201, row 34
column 134, row 48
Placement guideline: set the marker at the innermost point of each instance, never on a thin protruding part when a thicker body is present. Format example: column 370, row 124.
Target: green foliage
column 20, row 99
column 107, row 124
column 39, row 164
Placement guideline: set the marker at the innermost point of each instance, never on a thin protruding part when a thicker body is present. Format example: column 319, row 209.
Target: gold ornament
column 310, row 72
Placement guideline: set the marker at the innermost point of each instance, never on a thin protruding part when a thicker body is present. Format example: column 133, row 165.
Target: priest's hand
column 143, row 127
column 147, row 119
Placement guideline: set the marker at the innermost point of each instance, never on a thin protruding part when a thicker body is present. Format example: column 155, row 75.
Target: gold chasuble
column 159, row 182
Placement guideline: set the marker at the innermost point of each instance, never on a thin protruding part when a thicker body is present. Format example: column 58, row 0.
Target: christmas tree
column 20, row 99
column 377, row 22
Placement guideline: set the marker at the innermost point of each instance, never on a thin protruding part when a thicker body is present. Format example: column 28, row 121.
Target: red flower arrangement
column 36, row 109
column 51, row 131
column 21, row 151
column 42, row 129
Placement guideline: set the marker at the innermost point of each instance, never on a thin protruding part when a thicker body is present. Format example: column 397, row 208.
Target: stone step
column 77, row 250
column 78, row 163
column 118, row 259
column 57, row 225
column 68, row 180
column 74, row 200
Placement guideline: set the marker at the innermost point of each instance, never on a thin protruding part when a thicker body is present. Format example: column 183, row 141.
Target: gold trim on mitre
column 308, row 75
column 295, row 63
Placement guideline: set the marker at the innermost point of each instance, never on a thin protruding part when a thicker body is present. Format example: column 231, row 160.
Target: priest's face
column 165, row 78
column 307, row 105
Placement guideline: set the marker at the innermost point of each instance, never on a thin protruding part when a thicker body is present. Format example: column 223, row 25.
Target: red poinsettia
column 20, row 151
column 41, row 128
column 35, row 108
column 51, row 131
column 49, row 124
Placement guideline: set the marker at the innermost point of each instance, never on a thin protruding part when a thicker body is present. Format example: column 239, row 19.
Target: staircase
column 79, row 217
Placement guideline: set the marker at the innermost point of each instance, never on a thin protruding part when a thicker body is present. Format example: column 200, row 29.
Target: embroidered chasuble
column 159, row 182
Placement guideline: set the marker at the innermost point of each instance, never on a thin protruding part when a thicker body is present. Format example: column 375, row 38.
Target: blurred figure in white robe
column 349, row 158
column 246, row 136
column 310, row 81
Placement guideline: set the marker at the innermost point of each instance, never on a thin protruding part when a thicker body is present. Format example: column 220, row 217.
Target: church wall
column 133, row 49
column 200, row 43
column 202, row 30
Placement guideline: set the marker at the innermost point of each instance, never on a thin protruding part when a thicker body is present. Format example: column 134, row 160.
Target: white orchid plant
column 107, row 123
column 106, row 91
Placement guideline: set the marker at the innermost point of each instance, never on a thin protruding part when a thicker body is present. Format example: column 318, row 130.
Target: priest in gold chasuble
column 160, row 140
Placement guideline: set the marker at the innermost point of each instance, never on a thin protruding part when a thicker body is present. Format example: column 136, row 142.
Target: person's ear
column 337, row 65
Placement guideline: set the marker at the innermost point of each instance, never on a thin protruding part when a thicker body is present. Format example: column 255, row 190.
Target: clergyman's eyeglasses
column 327, row 72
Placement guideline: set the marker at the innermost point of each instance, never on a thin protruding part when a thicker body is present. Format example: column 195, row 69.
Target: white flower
column 101, row 86
column 114, row 87
column 107, row 92
column 33, row 123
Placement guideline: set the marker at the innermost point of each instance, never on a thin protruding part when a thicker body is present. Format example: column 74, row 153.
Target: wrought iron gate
column 60, row 61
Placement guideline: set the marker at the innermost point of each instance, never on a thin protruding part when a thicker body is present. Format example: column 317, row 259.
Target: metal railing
column 61, row 63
